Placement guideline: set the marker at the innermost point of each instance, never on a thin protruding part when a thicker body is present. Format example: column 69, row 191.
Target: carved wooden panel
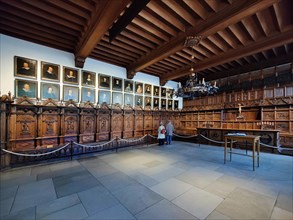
column 282, row 115
column 69, row 125
column 87, row 126
column 148, row 122
column 103, row 127
column 282, row 126
column 128, row 125
column 138, row 128
column 268, row 115
column 117, row 124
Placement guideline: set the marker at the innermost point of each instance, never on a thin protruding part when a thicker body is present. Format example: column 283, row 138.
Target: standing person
column 161, row 134
column 169, row 132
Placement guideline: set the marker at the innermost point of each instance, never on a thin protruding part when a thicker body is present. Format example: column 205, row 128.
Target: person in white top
column 161, row 134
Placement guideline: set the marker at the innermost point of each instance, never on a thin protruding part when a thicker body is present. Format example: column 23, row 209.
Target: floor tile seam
column 14, row 200
column 262, row 194
column 60, row 209
column 162, row 198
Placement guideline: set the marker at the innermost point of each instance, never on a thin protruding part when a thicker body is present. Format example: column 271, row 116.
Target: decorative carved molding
column 87, row 104
column 70, row 103
column 24, row 101
column 79, row 61
column 49, row 102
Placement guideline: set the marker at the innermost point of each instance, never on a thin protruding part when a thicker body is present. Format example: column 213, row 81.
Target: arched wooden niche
column 103, row 123
column 128, row 122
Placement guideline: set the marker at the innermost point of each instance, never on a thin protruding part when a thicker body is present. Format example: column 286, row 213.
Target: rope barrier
column 191, row 136
column 152, row 136
column 132, row 140
column 35, row 155
column 91, row 146
column 278, row 148
column 219, row 142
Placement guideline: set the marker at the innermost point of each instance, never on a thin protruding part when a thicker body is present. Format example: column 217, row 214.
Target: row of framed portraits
column 29, row 88
column 27, row 68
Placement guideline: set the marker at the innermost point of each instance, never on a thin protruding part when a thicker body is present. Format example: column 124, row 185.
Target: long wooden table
column 255, row 139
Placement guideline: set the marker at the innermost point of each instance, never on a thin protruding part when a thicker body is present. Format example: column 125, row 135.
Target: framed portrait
column 70, row 92
column 170, row 104
column 147, row 89
column 117, row 98
column 128, row 99
column 70, row 75
column 163, row 103
column 88, row 94
column 50, row 71
column 50, row 90
column 88, row 78
column 128, row 85
column 25, row 67
column 138, row 100
column 117, row 83
column 26, row 88
column 176, row 104
column 163, row 92
column 156, row 103
column 156, row 91
column 104, row 81
column 147, row 101
column 138, row 87
column 104, row 97
column 169, row 93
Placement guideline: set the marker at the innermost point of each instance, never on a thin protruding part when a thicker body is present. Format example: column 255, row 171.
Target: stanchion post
column 71, row 149
column 116, row 144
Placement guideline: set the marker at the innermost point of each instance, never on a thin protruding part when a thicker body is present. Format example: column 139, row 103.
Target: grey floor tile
column 164, row 210
column 56, row 205
column 103, row 169
column 285, row 201
column 199, row 177
column 198, row 202
column 171, row 188
column 116, row 212
column 244, row 204
column 97, row 199
column 215, row 215
column 136, row 197
column 143, row 179
column 25, row 214
column 167, row 173
column 8, row 192
column 5, row 206
column 152, row 163
column 16, row 181
column 73, row 212
column 33, row 194
column 116, row 181
column 279, row 214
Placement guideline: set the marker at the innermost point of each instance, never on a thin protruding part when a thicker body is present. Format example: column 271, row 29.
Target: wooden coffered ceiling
column 148, row 35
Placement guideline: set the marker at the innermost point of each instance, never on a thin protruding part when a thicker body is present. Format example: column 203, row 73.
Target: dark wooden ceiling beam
column 105, row 16
column 198, row 9
column 234, row 13
column 255, row 47
column 253, row 67
column 132, row 11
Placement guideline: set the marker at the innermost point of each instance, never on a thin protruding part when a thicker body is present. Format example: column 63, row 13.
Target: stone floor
column 178, row 181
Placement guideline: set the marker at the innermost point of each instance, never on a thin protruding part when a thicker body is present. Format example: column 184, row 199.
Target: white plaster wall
column 10, row 47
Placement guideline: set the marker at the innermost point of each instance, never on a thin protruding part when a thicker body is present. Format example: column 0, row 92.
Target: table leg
column 225, row 150
column 231, row 149
column 253, row 152
column 258, row 150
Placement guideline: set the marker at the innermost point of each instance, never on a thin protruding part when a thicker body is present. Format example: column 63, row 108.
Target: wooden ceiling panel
column 235, row 35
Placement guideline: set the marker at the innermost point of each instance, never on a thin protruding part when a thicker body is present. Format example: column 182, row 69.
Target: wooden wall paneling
column 148, row 121
column 128, row 122
column 48, row 126
column 103, row 123
column 88, row 124
column 116, row 122
column 69, row 123
column 156, row 122
column 23, row 126
column 138, row 127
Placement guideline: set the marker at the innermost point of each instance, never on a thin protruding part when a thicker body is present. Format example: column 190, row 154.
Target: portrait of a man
column 70, row 92
column 25, row 67
column 138, row 100
column 138, row 87
column 148, row 102
column 175, row 104
column 88, row 95
column 25, row 88
column 156, row 91
column 88, row 78
column 156, row 103
column 169, row 93
column 128, row 85
column 169, row 104
column 128, row 99
column 163, row 92
column 70, row 75
column 104, row 97
column 50, row 90
column 116, row 83
column 117, row 98
column 148, row 89
column 50, row 71
column 104, row 81
column 163, row 103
